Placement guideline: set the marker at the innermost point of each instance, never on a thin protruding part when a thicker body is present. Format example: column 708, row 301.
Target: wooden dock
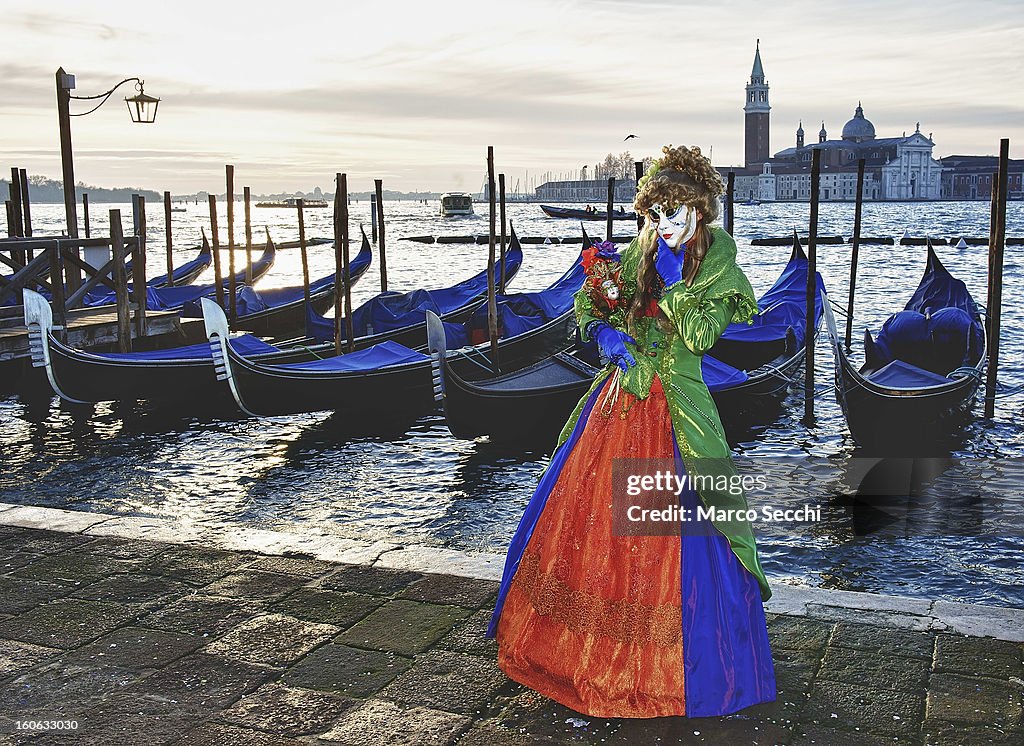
column 86, row 327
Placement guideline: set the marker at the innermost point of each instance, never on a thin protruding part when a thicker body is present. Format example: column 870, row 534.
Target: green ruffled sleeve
column 699, row 321
column 584, row 308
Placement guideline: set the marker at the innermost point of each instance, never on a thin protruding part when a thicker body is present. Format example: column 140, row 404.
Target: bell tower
column 756, row 110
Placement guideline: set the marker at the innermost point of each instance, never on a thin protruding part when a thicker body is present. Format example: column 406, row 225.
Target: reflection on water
column 310, row 473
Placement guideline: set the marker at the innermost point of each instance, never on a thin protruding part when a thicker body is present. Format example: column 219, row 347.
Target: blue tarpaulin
column 246, row 344
column 391, row 311
column 783, row 307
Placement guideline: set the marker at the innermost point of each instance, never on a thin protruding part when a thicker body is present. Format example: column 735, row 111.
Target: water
column 301, row 474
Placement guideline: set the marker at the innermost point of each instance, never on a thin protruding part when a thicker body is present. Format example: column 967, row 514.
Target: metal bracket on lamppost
column 142, row 109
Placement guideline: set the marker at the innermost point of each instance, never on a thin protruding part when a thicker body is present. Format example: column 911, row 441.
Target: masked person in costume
column 639, row 626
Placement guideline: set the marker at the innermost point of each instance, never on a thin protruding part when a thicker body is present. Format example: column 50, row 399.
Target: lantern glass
column 142, row 108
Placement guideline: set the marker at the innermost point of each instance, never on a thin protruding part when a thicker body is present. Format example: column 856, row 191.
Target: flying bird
column 627, row 137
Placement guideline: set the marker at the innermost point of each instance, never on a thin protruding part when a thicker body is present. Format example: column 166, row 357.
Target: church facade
column 896, row 168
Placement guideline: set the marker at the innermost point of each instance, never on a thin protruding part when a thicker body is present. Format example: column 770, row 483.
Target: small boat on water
column 577, row 214
column 920, row 373
column 455, row 204
column 749, row 369
column 293, row 202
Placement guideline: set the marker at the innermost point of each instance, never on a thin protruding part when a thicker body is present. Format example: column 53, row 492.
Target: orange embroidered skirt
column 593, row 620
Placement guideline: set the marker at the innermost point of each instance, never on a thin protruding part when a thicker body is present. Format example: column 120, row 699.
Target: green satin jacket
column 698, row 314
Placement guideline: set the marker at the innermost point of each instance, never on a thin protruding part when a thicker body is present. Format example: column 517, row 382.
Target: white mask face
column 675, row 226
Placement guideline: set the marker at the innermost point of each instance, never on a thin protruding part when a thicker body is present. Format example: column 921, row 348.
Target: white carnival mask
column 675, row 226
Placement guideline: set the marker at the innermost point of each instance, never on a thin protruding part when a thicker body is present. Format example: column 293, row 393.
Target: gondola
column 749, row 369
column 187, row 273
column 179, row 374
column 283, row 311
column 399, row 317
column 389, row 382
column 175, row 298
column 576, row 214
column 921, row 373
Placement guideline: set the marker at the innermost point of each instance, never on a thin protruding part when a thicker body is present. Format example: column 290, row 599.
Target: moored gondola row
column 425, row 348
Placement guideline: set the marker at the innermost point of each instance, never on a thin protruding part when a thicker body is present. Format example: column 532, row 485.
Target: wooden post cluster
column 858, row 211
column 812, row 289
column 995, row 275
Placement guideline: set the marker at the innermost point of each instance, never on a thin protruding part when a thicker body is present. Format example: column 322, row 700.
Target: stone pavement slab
column 162, row 643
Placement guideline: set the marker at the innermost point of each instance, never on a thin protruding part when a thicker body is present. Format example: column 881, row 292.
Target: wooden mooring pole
column 167, row 239
column 14, row 188
column 342, row 303
column 229, row 173
column 247, row 198
column 492, row 302
column 730, row 203
column 26, row 206
column 858, row 211
column 812, row 289
column 996, row 278
column 378, row 187
column 373, row 218
column 85, row 212
column 638, row 170
column 504, row 234
column 218, row 274
column 124, row 325
column 609, row 220
column 139, row 262
column 300, row 206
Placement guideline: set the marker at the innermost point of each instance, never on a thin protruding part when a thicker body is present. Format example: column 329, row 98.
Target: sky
column 414, row 92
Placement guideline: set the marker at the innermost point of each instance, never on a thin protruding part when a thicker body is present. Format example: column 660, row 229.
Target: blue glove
column 668, row 263
column 612, row 344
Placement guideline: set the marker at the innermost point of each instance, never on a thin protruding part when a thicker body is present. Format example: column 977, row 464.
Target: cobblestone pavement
column 144, row 642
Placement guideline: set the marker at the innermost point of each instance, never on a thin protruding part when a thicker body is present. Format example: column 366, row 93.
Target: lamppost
column 142, row 108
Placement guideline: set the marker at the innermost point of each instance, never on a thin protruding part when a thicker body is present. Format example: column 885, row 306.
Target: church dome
column 859, row 128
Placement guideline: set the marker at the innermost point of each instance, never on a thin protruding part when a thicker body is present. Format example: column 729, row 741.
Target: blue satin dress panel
column 727, row 660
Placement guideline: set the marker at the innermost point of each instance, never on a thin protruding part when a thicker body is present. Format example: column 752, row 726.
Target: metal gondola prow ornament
column 216, row 323
column 437, row 344
column 39, row 321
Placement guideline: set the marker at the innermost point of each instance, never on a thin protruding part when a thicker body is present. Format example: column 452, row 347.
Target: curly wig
column 681, row 176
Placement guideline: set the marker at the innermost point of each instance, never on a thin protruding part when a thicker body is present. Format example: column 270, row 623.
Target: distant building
column 970, row 177
column 755, row 115
column 586, row 190
column 896, row 168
